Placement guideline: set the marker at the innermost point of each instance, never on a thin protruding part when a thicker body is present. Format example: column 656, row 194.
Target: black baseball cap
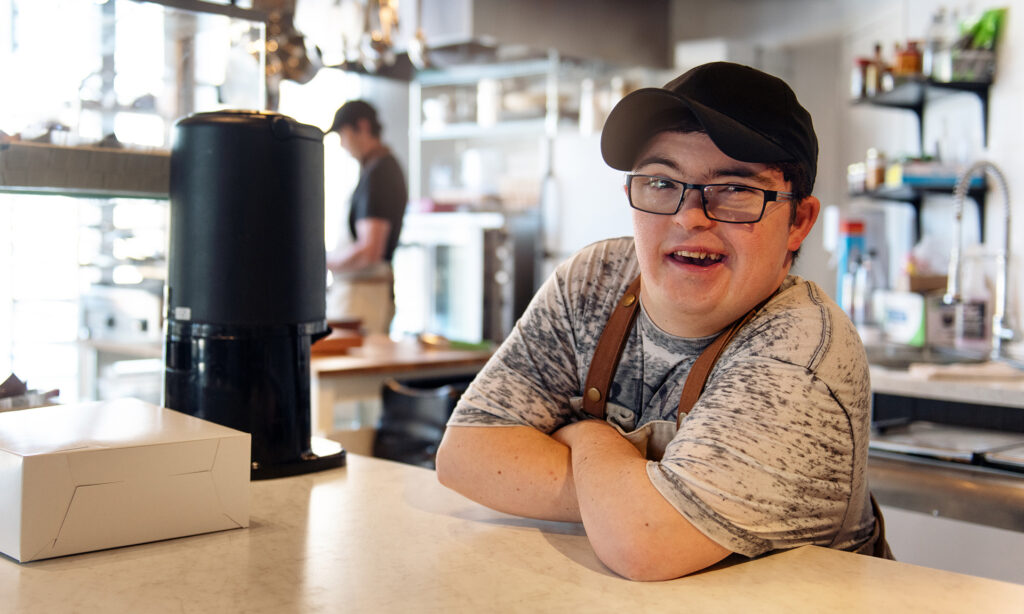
column 351, row 112
column 750, row 115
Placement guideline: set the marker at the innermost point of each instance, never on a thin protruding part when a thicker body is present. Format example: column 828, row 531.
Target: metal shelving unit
column 915, row 94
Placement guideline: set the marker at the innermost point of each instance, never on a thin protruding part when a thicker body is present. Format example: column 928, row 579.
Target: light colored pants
column 368, row 296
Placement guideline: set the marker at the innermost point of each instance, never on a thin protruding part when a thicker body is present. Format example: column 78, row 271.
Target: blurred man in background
column 363, row 281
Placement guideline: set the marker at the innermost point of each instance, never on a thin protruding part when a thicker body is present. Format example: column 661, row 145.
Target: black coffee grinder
column 245, row 294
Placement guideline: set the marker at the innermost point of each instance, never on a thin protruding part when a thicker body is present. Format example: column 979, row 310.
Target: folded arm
column 585, row 471
column 631, row 526
column 513, row 469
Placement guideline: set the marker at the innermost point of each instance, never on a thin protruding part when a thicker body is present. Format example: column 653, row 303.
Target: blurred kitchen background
column 494, row 109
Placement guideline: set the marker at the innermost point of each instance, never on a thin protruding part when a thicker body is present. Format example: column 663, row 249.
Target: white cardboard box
column 76, row 478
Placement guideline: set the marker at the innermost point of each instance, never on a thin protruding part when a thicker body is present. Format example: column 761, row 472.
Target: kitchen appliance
column 465, row 276
column 245, row 293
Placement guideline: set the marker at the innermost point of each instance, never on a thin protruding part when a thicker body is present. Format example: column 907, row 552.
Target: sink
column 896, row 356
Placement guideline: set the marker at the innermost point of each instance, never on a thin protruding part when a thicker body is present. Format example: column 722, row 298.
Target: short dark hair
column 351, row 112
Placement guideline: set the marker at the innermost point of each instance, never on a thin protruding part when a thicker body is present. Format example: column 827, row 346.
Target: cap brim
column 645, row 112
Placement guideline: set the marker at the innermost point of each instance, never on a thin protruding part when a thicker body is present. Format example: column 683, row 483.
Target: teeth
column 699, row 255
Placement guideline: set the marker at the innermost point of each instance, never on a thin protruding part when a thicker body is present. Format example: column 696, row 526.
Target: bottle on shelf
column 937, row 59
column 876, row 68
column 933, row 41
column 849, row 250
column 865, row 284
column 908, row 60
column 874, row 169
column 858, row 78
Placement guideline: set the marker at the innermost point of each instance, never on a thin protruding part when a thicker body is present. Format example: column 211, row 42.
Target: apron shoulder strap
column 609, row 350
column 613, row 341
column 701, row 369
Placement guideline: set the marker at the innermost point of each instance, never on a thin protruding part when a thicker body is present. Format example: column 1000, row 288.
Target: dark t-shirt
column 380, row 193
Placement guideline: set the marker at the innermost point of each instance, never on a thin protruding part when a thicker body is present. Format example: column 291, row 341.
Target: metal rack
column 915, row 94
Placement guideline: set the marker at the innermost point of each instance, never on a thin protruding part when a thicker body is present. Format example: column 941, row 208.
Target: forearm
column 354, row 257
column 632, row 527
column 367, row 250
column 515, row 469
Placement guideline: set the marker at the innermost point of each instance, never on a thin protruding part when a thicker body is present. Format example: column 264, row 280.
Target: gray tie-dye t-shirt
column 774, row 453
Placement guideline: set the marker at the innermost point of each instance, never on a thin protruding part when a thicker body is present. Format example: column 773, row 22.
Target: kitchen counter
column 378, row 536
column 1003, row 392
column 346, row 388
column 949, row 472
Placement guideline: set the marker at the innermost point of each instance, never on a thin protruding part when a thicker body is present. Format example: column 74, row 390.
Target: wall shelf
column 915, row 93
column 914, row 195
column 86, row 172
column 520, row 128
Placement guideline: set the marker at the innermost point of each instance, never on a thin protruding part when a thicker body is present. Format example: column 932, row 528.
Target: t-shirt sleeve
column 754, row 467
column 387, row 194
column 530, row 378
column 541, row 364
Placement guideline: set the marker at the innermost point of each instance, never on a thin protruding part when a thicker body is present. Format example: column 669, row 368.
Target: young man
column 772, row 455
column 363, row 282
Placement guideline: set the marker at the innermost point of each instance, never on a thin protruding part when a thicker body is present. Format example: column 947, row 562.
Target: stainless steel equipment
column 958, row 491
column 466, row 276
column 951, row 471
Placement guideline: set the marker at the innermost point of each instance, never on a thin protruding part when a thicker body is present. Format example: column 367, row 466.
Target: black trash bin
column 413, row 418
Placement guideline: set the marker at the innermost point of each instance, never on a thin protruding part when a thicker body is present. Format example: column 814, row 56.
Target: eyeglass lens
column 726, row 203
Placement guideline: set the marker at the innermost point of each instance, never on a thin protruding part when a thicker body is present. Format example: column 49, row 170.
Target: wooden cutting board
column 338, row 342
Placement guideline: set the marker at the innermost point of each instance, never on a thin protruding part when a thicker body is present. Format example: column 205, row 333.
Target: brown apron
column 654, row 436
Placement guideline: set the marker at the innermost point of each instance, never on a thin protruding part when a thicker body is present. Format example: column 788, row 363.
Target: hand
column 598, row 433
column 571, row 433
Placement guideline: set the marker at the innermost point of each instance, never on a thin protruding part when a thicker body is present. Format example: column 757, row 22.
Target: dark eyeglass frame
column 769, row 196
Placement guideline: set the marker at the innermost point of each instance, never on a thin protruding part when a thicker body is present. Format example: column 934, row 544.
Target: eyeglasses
column 723, row 202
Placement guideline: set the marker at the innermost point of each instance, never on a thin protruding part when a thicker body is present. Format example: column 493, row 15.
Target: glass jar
column 874, row 167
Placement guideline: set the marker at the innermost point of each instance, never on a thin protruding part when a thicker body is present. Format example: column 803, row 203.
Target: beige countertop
column 1001, row 390
column 378, row 536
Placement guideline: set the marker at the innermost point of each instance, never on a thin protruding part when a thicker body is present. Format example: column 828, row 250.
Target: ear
column 803, row 220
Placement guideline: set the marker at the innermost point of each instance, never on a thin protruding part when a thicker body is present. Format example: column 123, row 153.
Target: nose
column 691, row 211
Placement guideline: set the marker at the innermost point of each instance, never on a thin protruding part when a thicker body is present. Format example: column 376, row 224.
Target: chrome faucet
column 1000, row 331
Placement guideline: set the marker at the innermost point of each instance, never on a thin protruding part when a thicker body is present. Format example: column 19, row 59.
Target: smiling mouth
column 702, row 259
